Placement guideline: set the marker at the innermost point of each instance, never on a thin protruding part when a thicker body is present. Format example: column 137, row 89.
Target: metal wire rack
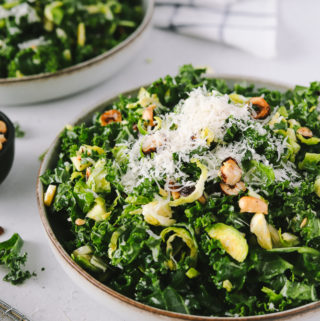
column 8, row 313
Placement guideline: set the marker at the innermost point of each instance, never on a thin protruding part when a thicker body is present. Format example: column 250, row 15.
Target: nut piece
column 110, row 116
column 175, row 195
column 262, row 105
column 183, row 191
column 150, row 144
column 88, row 173
column 3, row 127
column 252, row 204
column 2, row 139
column 202, row 199
column 1, row 230
column 233, row 190
column 230, row 172
column 80, row 221
column 305, row 132
column 148, row 114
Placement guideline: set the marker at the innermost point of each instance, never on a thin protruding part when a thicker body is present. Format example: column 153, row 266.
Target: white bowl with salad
column 191, row 199
column 51, row 49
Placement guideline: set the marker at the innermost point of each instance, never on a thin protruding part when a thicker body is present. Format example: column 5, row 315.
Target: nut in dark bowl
column 7, row 135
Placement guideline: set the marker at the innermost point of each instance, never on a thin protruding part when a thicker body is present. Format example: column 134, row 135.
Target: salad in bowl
column 46, row 36
column 51, row 49
column 195, row 196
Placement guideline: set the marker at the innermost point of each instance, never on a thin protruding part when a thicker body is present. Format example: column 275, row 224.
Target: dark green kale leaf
column 12, row 259
column 19, row 133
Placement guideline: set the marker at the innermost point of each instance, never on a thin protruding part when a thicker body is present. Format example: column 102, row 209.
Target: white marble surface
column 51, row 295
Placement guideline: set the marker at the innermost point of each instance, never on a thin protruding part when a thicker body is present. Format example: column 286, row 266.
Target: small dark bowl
column 7, row 152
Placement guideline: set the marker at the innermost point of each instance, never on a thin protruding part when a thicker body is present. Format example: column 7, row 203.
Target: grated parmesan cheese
column 33, row 43
column 19, row 11
column 183, row 131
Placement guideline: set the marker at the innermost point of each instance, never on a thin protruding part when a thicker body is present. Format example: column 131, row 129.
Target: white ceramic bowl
column 48, row 86
column 123, row 306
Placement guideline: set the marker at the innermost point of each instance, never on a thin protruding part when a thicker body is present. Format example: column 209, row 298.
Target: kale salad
column 196, row 197
column 40, row 36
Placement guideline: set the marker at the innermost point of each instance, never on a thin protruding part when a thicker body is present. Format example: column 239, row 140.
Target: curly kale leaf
column 11, row 258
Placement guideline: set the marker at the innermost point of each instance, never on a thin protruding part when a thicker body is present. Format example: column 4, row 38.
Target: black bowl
column 7, row 152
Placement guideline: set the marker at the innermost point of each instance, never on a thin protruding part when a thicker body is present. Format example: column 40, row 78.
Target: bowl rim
column 10, row 133
column 104, row 288
column 148, row 14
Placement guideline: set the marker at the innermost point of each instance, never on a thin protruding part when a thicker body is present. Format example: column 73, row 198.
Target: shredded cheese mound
column 201, row 116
